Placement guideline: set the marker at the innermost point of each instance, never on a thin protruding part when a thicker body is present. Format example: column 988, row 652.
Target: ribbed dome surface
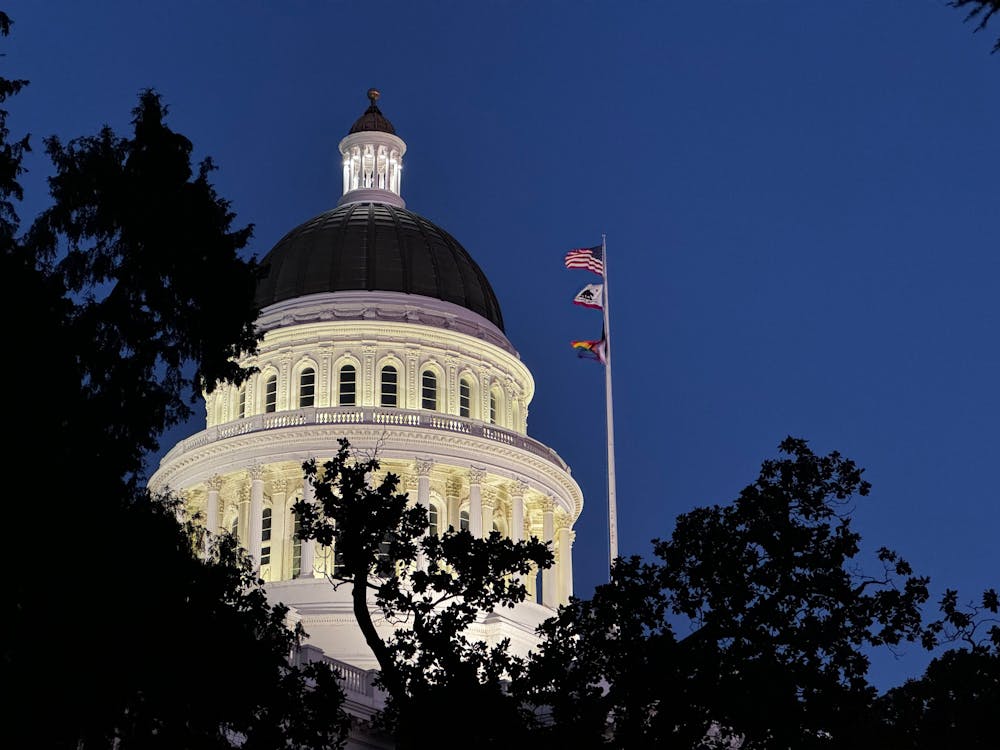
column 372, row 119
column 375, row 246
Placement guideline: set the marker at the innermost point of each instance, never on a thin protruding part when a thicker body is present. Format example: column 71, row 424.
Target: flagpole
column 612, row 503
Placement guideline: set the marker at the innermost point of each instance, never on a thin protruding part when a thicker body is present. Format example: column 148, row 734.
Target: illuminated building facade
column 381, row 328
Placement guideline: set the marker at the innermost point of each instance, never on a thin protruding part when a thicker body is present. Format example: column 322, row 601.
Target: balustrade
column 371, row 415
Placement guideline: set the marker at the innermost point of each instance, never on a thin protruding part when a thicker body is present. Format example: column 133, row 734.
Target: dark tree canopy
column 952, row 706
column 146, row 251
column 118, row 631
column 753, row 624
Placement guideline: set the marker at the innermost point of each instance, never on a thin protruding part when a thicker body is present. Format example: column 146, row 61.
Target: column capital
column 423, row 467
column 489, row 498
column 548, row 504
column 278, row 485
column 256, row 472
column 517, row 487
column 214, row 483
column 477, row 474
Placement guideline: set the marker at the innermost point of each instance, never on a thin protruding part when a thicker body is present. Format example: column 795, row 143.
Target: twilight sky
column 800, row 201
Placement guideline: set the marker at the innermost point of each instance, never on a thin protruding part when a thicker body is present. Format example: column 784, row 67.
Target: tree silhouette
column 116, row 627
column 754, row 620
column 433, row 587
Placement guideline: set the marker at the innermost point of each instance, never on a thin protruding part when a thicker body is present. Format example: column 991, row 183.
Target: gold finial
column 373, row 95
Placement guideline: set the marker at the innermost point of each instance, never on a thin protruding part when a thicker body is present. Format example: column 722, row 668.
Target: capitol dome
column 375, row 247
column 378, row 327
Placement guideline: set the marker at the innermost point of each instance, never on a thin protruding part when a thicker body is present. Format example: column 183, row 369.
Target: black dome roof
column 372, row 119
column 375, row 246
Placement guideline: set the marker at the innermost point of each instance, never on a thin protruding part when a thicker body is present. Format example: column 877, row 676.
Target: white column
column 410, row 397
column 565, row 571
column 256, row 510
column 308, row 545
column 423, row 470
column 450, row 401
column 549, row 593
column 279, row 516
column 484, row 394
column 285, row 386
column 324, row 378
column 367, row 388
column 489, row 506
column 517, row 490
column 452, row 506
column 212, row 511
column 476, row 477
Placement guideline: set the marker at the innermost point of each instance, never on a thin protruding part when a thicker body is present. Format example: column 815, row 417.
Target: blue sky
column 800, row 201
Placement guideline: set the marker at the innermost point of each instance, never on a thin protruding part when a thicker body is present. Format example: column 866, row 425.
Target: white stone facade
column 482, row 471
column 450, row 418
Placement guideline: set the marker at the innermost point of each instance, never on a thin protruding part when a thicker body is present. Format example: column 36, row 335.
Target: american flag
column 591, row 258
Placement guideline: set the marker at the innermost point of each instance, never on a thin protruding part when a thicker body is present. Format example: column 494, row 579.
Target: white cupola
column 372, row 158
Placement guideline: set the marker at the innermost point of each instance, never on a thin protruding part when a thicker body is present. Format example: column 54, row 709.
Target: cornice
column 371, row 308
column 185, row 467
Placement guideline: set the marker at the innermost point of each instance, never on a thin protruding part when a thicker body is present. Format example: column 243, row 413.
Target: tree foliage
column 753, row 624
column 146, row 251
column 950, row 707
column 116, row 628
column 432, row 587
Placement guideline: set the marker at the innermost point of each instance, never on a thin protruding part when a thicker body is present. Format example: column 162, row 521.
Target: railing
column 358, row 684
column 368, row 415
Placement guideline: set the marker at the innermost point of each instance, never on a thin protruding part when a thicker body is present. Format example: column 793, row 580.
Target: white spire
column 372, row 159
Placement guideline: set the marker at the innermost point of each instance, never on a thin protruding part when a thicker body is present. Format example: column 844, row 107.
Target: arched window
column 429, row 390
column 494, row 407
column 348, row 386
column 389, row 387
column 432, row 520
column 463, row 520
column 234, row 525
column 307, row 387
column 464, row 398
column 271, row 394
column 242, row 408
column 265, row 537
